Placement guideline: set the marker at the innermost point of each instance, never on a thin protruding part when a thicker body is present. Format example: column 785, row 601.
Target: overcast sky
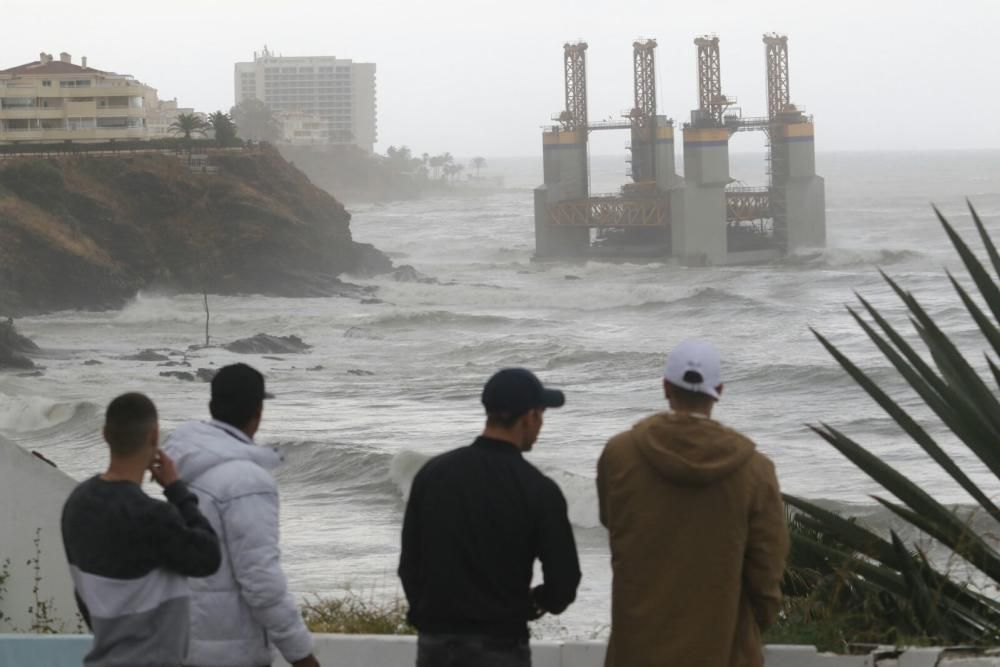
column 479, row 77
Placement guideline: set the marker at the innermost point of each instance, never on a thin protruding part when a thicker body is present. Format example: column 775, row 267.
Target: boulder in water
column 359, row 372
column 206, row 374
column 14, row 347
column 180, row 375
column 146, row 355
column 92, row 362
column 267, row 344
column 407, row 274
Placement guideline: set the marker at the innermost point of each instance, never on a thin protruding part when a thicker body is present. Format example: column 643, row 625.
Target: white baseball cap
column 694, row 365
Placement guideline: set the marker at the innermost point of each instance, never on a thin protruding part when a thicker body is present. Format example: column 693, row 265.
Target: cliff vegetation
column 89, row 232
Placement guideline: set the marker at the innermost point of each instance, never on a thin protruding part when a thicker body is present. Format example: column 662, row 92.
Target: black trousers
column 471, row 651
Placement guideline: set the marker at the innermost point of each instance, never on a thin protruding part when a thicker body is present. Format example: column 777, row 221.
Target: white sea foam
column 26, row 414
column 404, row 467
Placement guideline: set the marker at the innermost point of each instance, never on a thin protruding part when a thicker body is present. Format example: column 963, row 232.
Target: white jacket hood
column 244, row 610
column 197, row 447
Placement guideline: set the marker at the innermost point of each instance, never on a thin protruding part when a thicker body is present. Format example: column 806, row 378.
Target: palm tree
column 478, row 163
column 961, row 401
column 436, row 163
column 188, row 124
column 224, row 128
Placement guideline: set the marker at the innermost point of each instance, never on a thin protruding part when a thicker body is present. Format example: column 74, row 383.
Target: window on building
column 46, row 84
column 81, row 123
column 18, row 103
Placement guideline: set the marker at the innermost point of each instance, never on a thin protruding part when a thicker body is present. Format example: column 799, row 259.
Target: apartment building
column 340, row 93
column 161, row 114
column 52, row 100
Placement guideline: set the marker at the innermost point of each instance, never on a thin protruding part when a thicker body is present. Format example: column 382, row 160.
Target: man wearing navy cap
column 476, row 520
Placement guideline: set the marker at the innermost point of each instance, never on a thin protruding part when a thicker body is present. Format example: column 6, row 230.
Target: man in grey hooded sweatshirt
column 244, row 611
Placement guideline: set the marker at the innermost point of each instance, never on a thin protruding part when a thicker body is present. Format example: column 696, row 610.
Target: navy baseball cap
column 240, row 382
column 514, row 391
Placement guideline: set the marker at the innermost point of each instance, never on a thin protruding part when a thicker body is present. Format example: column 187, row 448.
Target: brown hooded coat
column 698, row 544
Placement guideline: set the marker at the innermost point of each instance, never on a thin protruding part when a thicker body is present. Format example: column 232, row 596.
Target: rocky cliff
column 89, row 232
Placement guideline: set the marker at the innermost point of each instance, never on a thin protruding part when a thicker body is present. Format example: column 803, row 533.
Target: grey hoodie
column 244, row 610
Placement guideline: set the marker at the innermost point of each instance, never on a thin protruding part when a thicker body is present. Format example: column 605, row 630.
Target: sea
column 387, row 385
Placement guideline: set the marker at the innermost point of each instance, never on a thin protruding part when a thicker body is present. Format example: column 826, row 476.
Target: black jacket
column 476, row 520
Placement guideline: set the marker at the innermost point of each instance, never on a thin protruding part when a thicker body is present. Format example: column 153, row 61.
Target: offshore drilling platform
column 702, row 218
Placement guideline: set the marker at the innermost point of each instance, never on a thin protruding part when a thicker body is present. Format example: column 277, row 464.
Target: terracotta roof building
column 51, row 100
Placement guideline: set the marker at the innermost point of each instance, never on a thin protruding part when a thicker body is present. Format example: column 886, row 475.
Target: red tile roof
column 51, row 67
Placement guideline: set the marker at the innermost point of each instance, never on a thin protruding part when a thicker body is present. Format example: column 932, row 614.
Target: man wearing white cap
column 697, row 530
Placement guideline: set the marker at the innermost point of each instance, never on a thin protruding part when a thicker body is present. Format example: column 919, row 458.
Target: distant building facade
column 340, row 93
column 302, row 129
column 52, row 100
column 161, row 114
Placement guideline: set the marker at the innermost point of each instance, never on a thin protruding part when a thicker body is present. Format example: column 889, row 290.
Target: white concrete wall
column 388, row 651
column 32, row 494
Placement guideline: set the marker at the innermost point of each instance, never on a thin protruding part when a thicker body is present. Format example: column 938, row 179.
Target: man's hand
column 308, row 661
column 537, row 611
column 163, row 469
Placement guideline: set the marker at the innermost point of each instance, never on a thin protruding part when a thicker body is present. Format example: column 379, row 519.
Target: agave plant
column 929, row 601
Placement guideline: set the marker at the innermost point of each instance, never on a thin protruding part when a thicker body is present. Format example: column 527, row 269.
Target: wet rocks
column 14, row 347
column 180, row 375
column 267, row 344
column 146, row 355
column 201, row 375
column 407, row 274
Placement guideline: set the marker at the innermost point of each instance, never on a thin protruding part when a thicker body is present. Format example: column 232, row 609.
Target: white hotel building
column 337, row 95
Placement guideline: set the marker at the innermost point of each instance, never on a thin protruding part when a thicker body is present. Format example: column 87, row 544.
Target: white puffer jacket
column 244, row 610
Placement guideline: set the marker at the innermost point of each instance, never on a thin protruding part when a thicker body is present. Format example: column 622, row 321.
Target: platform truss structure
column 644, row 82
column 575, row 62
column 748, row 204
column 710, row 97
column 778, row 95
column 611, row 211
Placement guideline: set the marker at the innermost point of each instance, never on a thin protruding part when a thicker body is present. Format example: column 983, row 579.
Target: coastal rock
column 14, row 347
column 370, row 302
column 92, row 362
column 359, row 372
column 146, row 355
column 205, row 374
column 408, row 274
column 267, row 344
column 117, row 225
column 180, row 375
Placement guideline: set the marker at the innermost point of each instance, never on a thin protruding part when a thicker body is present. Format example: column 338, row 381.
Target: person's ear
column 718, row 390
column 666, row 390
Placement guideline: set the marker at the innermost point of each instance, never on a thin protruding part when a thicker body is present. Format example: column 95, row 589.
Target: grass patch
column 357, row 615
